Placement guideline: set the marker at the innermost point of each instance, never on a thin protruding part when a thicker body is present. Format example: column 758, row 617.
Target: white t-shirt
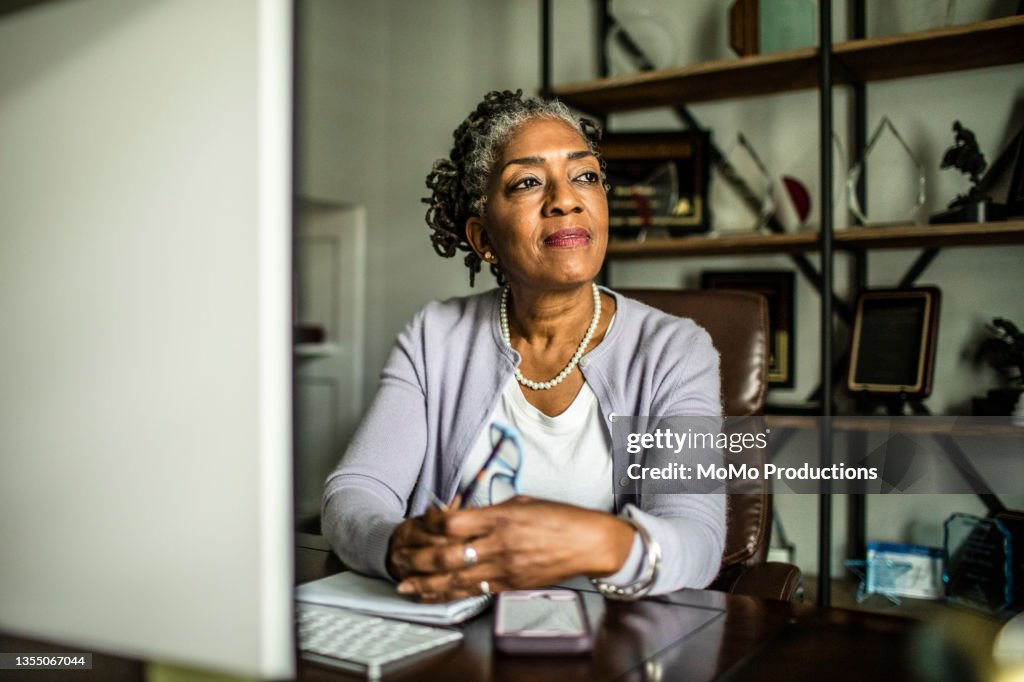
column 566, row 458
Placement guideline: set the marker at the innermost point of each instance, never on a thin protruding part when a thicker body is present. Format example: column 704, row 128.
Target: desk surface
column 747, row 639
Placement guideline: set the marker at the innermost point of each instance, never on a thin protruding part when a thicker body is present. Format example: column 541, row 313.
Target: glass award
column 979, row 561
column 742, row 193
column 839, row 168
column 896, row 187
column 641, row 36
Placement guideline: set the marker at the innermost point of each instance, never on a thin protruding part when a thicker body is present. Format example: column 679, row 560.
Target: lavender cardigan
column 441, row 383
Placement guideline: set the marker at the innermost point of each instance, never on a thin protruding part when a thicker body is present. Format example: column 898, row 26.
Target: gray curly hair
column 459, row 183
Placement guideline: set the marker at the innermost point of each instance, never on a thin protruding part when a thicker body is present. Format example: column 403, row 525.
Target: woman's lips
column 568, row 238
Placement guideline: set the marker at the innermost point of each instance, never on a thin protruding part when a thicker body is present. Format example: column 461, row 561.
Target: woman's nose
column 562, row 199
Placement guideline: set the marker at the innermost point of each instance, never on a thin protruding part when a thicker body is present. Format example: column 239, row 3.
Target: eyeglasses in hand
column 500, row 471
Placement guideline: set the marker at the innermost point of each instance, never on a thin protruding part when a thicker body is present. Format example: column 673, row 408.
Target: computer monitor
column 145, row 361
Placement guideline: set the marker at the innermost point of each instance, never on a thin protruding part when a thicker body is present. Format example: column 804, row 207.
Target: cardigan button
column 623, row 481
column 612, row 416
column 584, row 362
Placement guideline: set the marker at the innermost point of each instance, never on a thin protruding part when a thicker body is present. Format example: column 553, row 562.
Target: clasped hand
column 524, row 543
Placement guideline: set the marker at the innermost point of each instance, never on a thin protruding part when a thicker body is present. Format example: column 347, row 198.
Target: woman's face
column 547, row 214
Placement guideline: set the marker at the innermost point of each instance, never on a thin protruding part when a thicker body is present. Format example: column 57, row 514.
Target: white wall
column 385, row 84
column 407, row 73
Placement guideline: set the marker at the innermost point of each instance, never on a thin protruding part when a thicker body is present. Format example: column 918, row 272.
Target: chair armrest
column 314, row 558
column 770, row 580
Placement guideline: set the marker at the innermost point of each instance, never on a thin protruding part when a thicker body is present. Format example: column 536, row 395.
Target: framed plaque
column 893, row 347
column 658, row 181
column 777, row 287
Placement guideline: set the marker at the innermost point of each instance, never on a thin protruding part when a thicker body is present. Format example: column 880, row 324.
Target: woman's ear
column 476, row 235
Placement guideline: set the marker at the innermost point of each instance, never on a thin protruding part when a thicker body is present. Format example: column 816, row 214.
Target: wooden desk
column 741, row 639
column 745, row 639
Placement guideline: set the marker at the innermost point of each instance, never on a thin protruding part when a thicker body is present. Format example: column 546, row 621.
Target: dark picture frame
column 641, row 167
column 778, row 287
column 893, row 345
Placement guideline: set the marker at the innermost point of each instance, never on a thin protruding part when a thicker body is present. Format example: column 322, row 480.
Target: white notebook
column 351, row 590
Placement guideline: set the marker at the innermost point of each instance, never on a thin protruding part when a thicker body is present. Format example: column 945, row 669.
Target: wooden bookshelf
column 997, row 42
column 852, row 239
column 956, row 48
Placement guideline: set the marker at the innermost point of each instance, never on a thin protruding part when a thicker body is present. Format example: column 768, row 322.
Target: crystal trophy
column 747, row 178
column 980, row 558
column 641, row 37
column 903, row 171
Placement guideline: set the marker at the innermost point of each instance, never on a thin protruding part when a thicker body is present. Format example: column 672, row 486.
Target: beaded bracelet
column 640, row 587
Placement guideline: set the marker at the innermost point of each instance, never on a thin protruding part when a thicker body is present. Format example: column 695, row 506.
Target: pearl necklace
column 544, row 385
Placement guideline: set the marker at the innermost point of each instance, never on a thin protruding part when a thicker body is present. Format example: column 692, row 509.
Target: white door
column 330, row 290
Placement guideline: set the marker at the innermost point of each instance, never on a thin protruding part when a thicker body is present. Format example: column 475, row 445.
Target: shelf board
column 925, row 236
column 968, row 46
column 955, row 48
column 699, row 245
column 940, row 425
column 309, row 201
column 316, row 350
column 852, row 239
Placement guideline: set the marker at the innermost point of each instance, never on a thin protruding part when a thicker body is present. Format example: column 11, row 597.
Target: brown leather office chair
column 738, row 324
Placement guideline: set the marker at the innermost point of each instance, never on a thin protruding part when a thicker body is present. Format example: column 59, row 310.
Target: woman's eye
column 589, row 176
column 525, row 183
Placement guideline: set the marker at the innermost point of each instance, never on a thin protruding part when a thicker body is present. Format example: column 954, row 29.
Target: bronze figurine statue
column 975, row 206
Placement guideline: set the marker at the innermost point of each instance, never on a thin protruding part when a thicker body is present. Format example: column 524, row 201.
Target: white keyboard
column 362, row 643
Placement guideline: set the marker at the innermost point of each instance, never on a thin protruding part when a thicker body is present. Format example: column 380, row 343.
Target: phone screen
column 541, row 613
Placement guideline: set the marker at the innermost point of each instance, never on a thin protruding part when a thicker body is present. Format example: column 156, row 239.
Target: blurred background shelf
column 844, row 596
column 852, row 239
column 956, row 48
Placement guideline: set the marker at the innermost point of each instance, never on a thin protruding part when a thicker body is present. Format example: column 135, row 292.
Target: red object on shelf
column 799, row 196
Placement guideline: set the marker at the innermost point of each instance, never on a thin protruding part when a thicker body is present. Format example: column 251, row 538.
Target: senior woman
column 548, row 355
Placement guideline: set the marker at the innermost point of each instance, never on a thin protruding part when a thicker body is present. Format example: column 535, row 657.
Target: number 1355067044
column 40, row 661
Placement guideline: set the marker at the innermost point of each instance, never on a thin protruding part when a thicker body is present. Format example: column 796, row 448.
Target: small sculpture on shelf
column 976, row 205
column 965, row 156
column 1003, row 350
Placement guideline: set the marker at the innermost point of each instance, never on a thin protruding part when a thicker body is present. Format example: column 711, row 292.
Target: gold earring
column 488, row 256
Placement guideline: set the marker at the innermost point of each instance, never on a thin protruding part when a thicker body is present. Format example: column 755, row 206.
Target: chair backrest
column 737, row 322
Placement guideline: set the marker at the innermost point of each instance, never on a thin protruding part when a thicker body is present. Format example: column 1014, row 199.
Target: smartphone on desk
column 541, row 622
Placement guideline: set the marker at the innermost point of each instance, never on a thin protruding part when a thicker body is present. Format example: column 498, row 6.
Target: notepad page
column 351, row 590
